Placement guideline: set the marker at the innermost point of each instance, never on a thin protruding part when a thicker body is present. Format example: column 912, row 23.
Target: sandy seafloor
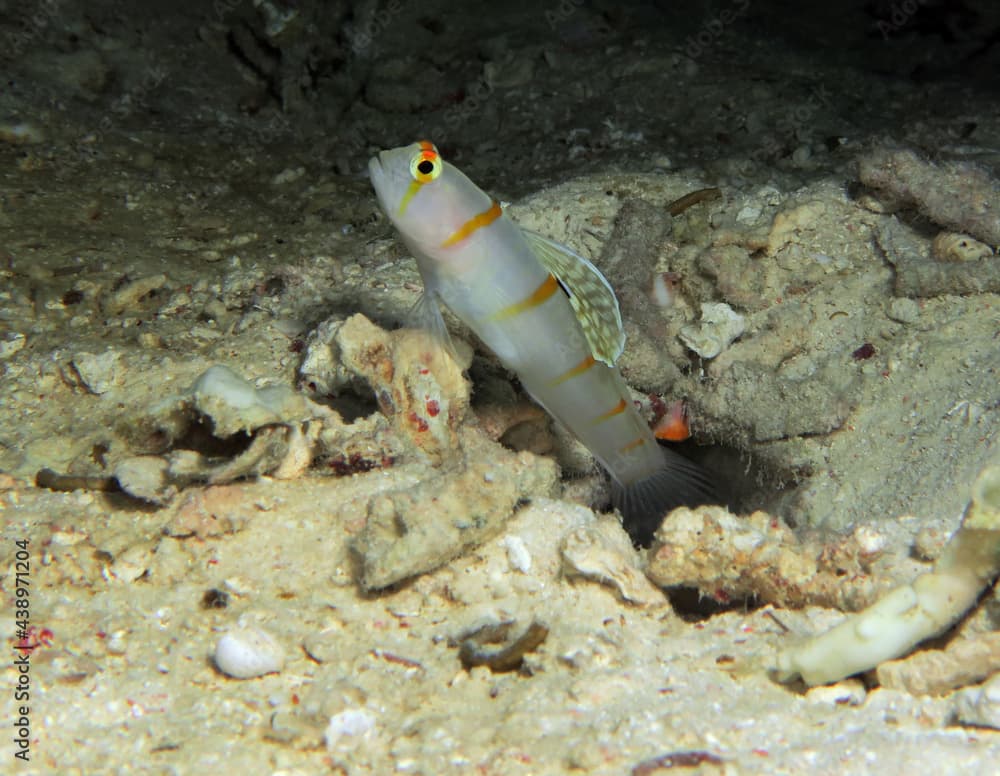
column 184, row 185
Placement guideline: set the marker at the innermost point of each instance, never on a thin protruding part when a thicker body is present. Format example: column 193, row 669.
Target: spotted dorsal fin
column 591, row 296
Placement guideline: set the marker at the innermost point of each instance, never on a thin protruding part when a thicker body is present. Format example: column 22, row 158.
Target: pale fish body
column 547, row 314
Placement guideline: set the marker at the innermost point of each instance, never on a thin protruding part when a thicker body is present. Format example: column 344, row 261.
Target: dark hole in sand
column 692, row 605
column 199, row 437
column 352, row 406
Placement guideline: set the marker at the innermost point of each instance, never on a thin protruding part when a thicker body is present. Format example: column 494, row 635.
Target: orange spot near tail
column 673, row 426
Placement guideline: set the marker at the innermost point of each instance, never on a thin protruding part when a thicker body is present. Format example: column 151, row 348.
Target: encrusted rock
column 604, row 553
column 720, row 325
column 412, row 531
column 417, row 383
column 731, row 557
column 97, row 372
column 980, row 705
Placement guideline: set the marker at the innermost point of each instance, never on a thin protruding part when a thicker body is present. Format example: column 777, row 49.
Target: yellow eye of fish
column 426, row 166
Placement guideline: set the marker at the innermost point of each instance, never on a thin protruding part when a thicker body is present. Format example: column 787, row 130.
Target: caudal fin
column 644, row 503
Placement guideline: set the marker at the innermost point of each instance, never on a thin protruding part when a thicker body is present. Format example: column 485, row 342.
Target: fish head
column 425, row 197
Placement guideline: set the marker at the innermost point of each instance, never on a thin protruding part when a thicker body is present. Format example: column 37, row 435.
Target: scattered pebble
column 20, row 133
column 132, row 293
column 801, row 155
column 117, row 643
column 904, row 310
column 11, row 343
column 133, row 562
column 247, row 652
column 980, row 705
column 606, row 555
column 749, row 213
column 929, row 542
column 870, row 541
column 348, row 727
column 150, row 340
column 97, row 372
column 720, row 325
column 145, row 477
column 288, row 175
column 517, row 554
column 850, row 692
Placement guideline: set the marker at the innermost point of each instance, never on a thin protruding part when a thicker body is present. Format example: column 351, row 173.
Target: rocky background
column 265, row 524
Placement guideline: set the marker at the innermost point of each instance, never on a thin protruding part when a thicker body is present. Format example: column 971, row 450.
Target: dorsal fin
column 591, row 296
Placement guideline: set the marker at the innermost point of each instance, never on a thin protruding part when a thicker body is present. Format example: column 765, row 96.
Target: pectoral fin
column 426, row 314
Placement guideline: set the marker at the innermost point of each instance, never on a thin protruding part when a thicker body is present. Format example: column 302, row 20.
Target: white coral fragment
column 720, row 325
column 234, row 404
column 910, row 614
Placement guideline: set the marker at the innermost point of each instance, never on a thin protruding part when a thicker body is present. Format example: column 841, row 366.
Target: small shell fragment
column 145, row 477
column 518, row 554
column 509, row 656
column 247, row 652
column 720, row 325
column 347, row 728
column 607, row 557
column 952, row 246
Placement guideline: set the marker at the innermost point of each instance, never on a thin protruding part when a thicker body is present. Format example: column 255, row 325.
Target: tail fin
column 644, row 503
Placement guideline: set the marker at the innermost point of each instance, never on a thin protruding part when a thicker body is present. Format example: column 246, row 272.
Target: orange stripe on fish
column 632, row 445
column 485, row 218
column 618, row 409
column 579, row 369
column 538, row 296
